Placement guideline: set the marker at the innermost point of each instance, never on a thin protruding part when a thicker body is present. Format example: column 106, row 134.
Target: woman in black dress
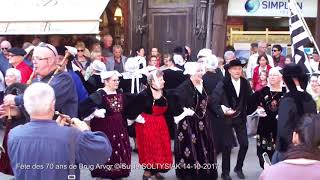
column 194, row 148
column 268, row 98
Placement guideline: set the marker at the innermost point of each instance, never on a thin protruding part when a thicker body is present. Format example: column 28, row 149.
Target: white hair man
column 45, row 58
column 75, row 144
column 117, row 61
column 229, row 56
column 107, row 46
column 253, row 59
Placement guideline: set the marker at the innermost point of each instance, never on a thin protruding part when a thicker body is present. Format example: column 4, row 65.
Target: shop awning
column 24, row 17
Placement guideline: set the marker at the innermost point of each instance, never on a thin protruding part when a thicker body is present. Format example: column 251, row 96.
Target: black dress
column 267, row 127
column 194, row 149
column 114, row 125
column 94, row 83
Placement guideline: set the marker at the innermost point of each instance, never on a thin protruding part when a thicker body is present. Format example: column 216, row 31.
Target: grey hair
column 150, row 76
column 229, row 54
column 117, row 47
column 15, row 72
column 261, row 42
column 38, row 98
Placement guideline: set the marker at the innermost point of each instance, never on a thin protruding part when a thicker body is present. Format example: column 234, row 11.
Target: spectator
column 80, row 60
column 252, row 62
column 303, row 156
column 107, row 46
column 229, row 56
column 313, row 89
column 16, row 59
column 45, row 58
column 155, row 52
column 13, row 79
column 254, row 48
column 4, row 56
column 263, row 65
column 278, row 59
column 314, row 62
column 117, row 61
column 72, row 145
column 288, row 60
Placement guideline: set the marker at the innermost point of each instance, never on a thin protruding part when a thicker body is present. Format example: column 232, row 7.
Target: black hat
column 61, row 50
column 17, row 51
column 315, row 51
column 233, row 63
column 293, row 71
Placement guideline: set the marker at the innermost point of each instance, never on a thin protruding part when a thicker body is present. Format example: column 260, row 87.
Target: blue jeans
column 277, row 157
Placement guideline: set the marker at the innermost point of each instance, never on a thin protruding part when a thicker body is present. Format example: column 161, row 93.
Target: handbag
column 252, row 125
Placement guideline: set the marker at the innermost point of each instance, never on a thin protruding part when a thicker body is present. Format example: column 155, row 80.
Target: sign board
column 270, row 8
column 51, row 16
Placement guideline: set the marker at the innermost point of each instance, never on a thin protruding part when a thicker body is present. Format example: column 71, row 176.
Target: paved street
column 251, row 166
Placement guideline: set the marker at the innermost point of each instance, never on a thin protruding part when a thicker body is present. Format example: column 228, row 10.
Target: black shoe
column 159, row 176
column 239, row 174
column 146, row 177
column 225, row 177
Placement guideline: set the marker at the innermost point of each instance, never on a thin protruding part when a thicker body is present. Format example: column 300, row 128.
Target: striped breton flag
column 299, row 37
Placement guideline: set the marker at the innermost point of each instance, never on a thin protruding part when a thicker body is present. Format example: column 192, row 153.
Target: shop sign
column 270, row 8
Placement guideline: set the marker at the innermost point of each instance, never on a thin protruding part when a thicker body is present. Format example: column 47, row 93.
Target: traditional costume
column 194, row 148
column 5, row 167
column 233, row 94
column 113, row 124
column 268, row 99
column 152, row 136
column 292, row 107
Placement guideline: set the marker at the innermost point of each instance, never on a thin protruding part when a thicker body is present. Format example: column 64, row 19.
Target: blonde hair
column 80, row 44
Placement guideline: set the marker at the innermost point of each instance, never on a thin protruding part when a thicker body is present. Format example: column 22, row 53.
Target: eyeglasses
column 47, row 46
column 39, row 59
column 275, row 50
column 4, row 49
column 80, row 50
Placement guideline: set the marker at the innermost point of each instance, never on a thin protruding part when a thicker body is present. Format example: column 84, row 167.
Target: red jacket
column 25, row 71
column 256, row 76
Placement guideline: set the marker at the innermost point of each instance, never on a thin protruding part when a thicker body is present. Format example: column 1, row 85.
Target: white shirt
column 252, row 63
column 314, row 65
column 236, row 85
column 223, row 71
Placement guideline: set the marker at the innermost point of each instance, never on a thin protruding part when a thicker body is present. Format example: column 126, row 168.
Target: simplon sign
column 271, row 8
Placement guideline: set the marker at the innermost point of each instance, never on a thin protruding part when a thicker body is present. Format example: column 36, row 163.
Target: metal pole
column 209, row 25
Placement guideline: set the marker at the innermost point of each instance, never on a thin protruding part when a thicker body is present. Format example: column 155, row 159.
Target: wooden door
column 169, row 30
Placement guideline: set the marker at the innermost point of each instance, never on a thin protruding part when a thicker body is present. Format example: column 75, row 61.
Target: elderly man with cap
column 16, row 59
column 45, row 58
column 292, row 107
column 229, row 103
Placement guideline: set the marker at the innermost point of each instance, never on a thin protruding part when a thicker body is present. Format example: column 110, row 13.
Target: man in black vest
column 229, row 103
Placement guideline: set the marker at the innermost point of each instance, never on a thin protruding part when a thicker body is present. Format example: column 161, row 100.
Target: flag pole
column 305, row 24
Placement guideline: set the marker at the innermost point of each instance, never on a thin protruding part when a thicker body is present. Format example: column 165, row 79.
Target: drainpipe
column 209, row 24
